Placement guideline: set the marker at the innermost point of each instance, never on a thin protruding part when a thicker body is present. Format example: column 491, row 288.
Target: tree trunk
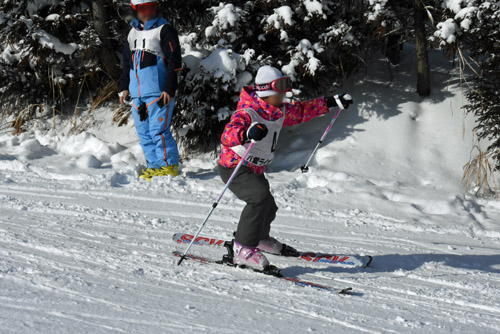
column 106, row 50
column 393, row 49
column 424, row 75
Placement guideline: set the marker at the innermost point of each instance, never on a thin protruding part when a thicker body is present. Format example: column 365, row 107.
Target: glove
column 343, row 101
column 257, row 132
column 143, row 112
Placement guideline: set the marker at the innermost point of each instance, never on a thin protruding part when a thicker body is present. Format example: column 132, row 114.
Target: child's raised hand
column 343, row 101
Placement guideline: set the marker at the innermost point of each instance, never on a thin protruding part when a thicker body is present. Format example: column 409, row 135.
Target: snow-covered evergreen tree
column 314, row 42
column 51, row 53
column 471, row 28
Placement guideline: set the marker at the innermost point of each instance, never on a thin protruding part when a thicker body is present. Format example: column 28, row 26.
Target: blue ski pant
column 157, row 142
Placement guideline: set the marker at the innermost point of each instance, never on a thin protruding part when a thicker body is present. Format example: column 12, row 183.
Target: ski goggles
column 281, row 85
column 146, row 8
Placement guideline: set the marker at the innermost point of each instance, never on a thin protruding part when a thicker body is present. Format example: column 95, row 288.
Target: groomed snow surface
column 85, row 246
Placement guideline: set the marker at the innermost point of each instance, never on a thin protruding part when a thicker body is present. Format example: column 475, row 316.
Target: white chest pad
column 262, row 153
column 146, row 40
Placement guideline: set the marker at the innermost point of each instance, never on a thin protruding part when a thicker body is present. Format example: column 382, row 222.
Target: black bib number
column 275, row 141
column 143, row 44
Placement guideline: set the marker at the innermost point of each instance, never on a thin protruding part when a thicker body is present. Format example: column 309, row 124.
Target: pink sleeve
column 301, row 112
column 234, row 130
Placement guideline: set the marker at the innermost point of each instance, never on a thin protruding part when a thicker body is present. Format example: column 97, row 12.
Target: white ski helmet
column 136, row 3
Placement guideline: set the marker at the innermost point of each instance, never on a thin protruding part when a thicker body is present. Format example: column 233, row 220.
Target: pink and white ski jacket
column 296, row 113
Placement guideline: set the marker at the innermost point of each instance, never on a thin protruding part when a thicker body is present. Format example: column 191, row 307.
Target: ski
column 273, row 272
column 312, row 257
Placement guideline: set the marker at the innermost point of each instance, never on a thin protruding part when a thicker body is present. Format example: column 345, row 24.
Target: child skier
column 151, row 59
column 260, row 115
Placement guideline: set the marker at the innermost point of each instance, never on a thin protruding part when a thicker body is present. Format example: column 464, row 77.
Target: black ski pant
column 260, row 210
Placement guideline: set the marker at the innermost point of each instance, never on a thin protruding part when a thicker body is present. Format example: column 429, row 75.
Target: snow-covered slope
column 85, row 246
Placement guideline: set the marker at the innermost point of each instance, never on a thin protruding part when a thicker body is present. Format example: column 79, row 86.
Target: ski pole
column 305, row 168
column 214, row 205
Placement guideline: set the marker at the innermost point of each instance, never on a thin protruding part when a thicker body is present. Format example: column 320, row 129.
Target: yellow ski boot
column 147, row 174
column 172, row 170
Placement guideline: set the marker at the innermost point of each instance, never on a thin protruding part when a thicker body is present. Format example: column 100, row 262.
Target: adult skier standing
column 260, row 116
column 151, row 59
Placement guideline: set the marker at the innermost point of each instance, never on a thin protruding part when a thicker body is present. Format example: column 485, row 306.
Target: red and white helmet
column 137, row 3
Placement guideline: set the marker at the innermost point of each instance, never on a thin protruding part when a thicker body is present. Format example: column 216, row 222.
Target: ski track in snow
column 97, row 260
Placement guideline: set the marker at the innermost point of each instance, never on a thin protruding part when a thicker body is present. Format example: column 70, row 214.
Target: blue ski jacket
column 151, row 59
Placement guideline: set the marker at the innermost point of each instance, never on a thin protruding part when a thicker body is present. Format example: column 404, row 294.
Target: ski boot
column 148, row 174
column 273, row 246
column 172, row 170
column 249, row 257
